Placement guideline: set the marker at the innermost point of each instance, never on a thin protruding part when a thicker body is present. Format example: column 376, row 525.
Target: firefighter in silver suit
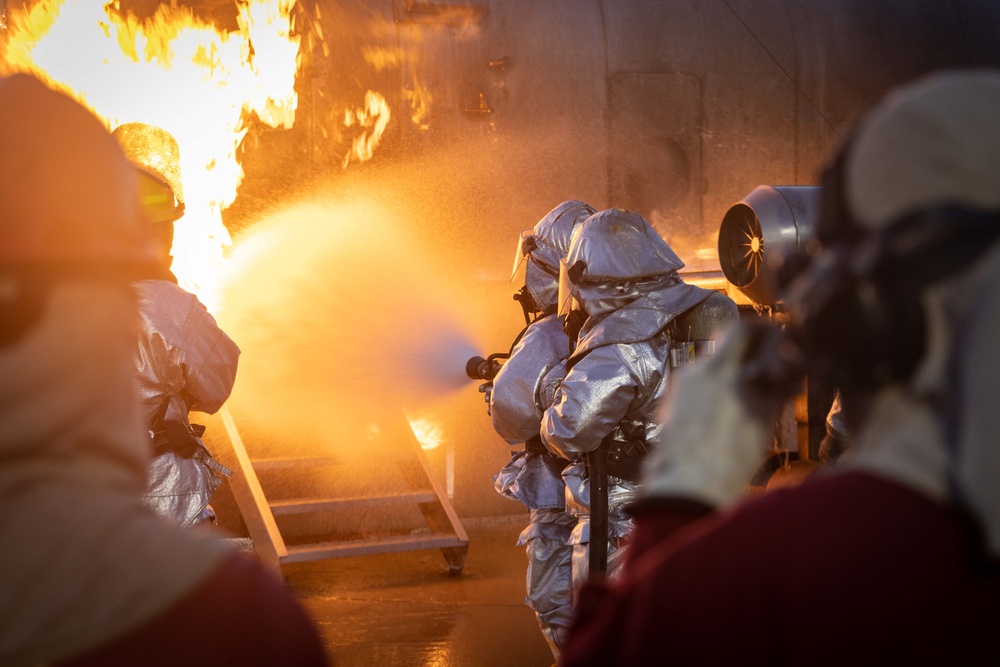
column 533, row 474
column 623, row 276
column 184, row 361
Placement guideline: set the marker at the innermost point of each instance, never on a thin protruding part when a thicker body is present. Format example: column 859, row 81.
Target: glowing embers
column 174, row 71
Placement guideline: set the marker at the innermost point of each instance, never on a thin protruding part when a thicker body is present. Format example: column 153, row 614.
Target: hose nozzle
column 478, row 368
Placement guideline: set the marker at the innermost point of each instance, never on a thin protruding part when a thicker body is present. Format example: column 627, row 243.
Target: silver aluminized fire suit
column 533, row 474
column 624, row 277
column 184, row 362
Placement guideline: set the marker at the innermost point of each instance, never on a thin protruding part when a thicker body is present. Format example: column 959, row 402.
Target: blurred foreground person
column 893, row 558
column 533, row 475
column 88, row 574
column 184, row 361
column 600, row 402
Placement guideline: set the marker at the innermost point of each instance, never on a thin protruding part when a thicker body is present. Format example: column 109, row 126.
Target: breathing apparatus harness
column 623, row 450
column 183, row 439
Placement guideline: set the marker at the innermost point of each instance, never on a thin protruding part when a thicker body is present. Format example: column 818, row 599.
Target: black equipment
column 528, row 305
column 597, row 472
column 478, row 368
column 855, row 316
column 852, row 298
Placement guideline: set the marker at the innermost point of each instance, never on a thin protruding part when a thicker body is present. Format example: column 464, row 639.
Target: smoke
column 340, row 315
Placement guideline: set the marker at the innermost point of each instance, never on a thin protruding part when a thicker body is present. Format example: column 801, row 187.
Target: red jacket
column 847, row 569
column 242, row 615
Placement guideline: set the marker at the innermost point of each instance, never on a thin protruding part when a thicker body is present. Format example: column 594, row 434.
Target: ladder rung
column 308, row 552
column 305, row 506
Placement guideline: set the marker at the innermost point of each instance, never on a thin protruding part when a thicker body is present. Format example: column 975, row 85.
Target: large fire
column 177, row 72
column 202, row 84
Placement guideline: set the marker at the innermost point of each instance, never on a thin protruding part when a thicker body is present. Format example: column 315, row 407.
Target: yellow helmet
column 155, row 154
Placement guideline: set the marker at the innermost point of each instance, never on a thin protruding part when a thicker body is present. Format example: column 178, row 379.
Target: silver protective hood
column 554, row 232
column 544, row 247
column 633, row 313
column 617, row 245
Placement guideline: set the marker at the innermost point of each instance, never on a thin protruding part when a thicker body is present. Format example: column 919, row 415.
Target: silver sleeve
column 594, row 396
column 515, row 415
column 210, row 360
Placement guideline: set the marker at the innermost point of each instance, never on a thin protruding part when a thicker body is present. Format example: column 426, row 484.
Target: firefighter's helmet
column 156, row 156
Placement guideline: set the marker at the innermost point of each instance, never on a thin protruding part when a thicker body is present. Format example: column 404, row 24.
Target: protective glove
column 550, row 381
column 716, row 430
column 486, row 389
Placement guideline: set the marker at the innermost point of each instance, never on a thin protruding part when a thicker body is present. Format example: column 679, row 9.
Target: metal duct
column 761, row 232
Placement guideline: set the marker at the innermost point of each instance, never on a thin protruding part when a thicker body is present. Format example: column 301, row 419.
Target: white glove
column 715, row 433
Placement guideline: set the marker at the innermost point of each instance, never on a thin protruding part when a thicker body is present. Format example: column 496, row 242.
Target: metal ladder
column 445, row 531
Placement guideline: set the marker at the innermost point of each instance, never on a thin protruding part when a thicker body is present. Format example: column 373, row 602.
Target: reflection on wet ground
column 403, row 610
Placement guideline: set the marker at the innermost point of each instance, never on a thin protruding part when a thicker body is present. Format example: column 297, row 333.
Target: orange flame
column 420, row 105
column 415, row 93
column 175, row 71
column 373, row 119
column 429, row 433
column 380, row 58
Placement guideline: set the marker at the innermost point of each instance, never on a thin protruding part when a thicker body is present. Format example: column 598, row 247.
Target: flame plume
column 177, row 72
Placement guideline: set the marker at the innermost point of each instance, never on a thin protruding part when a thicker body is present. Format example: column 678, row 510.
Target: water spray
column 315, row 300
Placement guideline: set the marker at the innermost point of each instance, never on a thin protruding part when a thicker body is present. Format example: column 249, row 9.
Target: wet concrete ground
column 403, row 610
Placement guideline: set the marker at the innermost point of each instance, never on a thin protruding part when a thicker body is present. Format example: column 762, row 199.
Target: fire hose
column 598, row 474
